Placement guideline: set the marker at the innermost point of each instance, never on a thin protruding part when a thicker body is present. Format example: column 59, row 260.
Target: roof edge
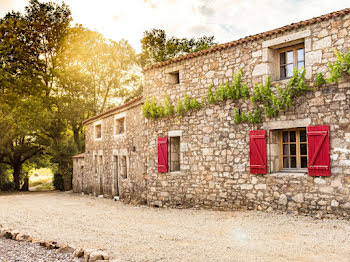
column 81, row 155
column 246, row 39
column 112, row 110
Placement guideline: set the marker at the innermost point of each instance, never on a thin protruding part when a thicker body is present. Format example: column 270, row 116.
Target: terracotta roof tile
column 250, row 38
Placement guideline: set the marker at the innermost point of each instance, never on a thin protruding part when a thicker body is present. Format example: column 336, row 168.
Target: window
column 290, row 58
column 174, row 77
column 294, row 153
column 120, row 126
column 98, row 131
column 174, row 154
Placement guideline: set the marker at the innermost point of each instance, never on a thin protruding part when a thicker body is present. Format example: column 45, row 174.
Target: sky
column 227, row 20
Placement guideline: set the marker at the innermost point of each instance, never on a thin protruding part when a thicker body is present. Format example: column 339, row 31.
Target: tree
column 156, row 47
column 28, row 46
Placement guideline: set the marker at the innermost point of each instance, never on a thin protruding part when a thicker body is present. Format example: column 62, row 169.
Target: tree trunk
column 17, row 169
column 25, row 186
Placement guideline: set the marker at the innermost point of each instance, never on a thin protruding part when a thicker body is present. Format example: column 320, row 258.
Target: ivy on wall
column 262, row 97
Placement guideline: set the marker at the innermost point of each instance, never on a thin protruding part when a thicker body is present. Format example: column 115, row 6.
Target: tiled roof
column 251, row 38
column 82, row 155
column 112, row 110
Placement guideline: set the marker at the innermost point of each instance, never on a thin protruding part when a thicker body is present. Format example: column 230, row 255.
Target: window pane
column 292, row 136
column 293, row 162
column 283, row 71
column 301, row 65
column 283, row 58
column 285, row 136
column 300, row 54
column 293, row 149
column 303, row 162
column 303, row 149
column 289, row 70
column 303, row 136
column 290, row 57
column 285, row 149
column 286, row 162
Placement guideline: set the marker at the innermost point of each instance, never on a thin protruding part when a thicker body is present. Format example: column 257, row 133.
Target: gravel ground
column 15, row 251
column 149, row 234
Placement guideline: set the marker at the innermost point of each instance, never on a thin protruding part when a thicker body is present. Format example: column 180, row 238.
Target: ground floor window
column 293, row 144
column 174, row 158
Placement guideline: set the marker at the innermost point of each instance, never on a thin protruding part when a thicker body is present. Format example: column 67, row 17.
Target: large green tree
column 157, row 47
column 29, row 45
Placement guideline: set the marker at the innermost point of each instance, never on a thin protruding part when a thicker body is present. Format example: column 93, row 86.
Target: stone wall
column 129, row 145
column 215, row 152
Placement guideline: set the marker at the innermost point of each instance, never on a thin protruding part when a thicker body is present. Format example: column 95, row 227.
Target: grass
column 41, row 179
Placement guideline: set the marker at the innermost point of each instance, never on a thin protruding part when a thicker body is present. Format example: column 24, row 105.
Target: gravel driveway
column 148, row 234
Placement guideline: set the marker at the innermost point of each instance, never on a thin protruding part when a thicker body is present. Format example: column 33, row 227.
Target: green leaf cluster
column 320, row 81
column 274, row 103
column 151, row 108
column 226, row 91
column 340, row 66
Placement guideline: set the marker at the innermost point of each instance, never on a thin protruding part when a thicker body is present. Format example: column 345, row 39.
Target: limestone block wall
column 215, row 152
column 103, row 179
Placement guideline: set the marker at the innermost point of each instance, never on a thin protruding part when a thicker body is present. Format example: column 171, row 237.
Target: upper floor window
column 290, row 58
column 120, row 126
column 174, row 77
column 98, row 131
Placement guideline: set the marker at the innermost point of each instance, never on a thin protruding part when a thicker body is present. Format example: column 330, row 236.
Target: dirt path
column 148, row 234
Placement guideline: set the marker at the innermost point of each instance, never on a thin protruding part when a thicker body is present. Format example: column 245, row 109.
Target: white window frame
column 117, row 117
column 175, row 133
column 94, row 131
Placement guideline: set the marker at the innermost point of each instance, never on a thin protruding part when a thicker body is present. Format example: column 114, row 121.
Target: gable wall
column 131, row 188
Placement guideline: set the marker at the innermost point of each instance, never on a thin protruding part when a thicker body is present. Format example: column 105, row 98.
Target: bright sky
column 227, row 20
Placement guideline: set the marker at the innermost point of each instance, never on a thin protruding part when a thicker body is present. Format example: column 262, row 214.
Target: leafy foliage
column 320, row 81
column 179, row 108
column 340, row 66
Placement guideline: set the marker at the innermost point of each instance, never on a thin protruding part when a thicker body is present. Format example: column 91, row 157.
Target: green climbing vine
column 263, row 96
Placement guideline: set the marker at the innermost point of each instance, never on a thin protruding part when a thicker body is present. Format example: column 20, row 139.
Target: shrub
column 7, row 186
column 58, row 181
column 179, row 108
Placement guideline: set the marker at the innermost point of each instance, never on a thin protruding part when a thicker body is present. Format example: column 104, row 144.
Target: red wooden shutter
column 319, row 151
column 162, row 154
column 257, row 152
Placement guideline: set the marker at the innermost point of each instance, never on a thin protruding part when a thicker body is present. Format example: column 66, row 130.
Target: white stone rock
column 299, row 198
column 319, row 180
column 322, row 43
column 210, row 74
column 254, row 180
column 313, row 57
column 283, row 200
column 246, row 186
column 334, row 203
column 208, row 151
column 260, row 186
column 344, row 162
column 256, row 54
column 260, row 69
column 339, row 97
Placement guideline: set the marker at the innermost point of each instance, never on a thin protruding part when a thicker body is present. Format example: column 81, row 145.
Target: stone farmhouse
column 297, row 161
